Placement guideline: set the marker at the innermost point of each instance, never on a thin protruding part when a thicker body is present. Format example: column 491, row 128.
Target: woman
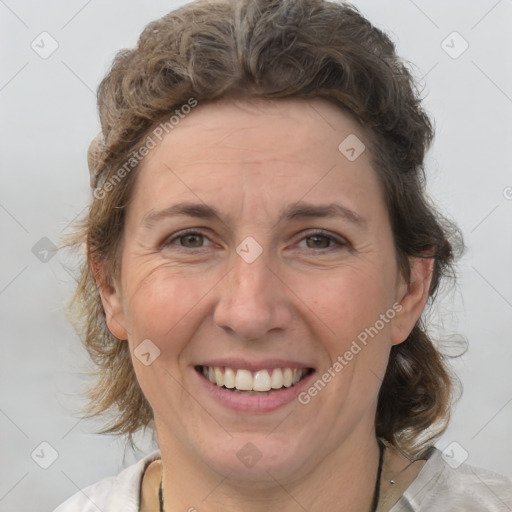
column 259, row 253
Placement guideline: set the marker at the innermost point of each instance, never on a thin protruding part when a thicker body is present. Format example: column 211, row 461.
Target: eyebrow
column 294, row 211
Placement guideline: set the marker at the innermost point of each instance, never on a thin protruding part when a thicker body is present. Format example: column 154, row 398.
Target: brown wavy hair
column 270, row 49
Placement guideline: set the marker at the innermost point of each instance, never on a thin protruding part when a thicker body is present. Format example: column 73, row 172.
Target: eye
column 192, row 239
column 321, row 240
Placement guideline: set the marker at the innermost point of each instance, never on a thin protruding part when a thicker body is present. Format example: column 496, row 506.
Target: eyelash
column 340, row 242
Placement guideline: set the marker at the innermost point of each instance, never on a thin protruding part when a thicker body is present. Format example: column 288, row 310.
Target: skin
column 303, row 299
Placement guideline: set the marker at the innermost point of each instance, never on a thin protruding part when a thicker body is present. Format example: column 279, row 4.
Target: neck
column 344, row 479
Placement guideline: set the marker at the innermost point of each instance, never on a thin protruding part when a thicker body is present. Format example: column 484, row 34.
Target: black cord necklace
column 161, row 496
column 376, row 492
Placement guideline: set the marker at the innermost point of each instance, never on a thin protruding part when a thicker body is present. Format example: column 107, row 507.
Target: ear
column 112, row 303
column 412, row 298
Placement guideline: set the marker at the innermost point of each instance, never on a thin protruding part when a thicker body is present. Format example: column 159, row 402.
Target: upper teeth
column 261, row 380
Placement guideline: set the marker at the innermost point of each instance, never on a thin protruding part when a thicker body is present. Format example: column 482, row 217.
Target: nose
column 253, row 300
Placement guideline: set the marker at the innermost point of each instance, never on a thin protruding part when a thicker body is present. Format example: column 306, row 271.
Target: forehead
column 251, row 129
column 257, row 153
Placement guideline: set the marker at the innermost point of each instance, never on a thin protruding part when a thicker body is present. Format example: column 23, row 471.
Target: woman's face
column 287, row 271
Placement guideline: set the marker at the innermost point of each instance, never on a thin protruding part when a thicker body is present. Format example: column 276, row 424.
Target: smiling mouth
column 265, row 381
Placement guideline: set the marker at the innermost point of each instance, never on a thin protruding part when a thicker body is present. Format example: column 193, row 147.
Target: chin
column 256, row 458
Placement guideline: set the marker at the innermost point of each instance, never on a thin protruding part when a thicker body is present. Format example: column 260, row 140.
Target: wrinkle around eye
column 169, row 243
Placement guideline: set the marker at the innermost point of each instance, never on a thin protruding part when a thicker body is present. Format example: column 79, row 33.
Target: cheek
column 346, row 301
column 160, row 304
column 163, row 307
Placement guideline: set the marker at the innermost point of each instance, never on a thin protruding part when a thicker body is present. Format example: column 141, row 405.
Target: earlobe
column 112, row 303
column 412, row 298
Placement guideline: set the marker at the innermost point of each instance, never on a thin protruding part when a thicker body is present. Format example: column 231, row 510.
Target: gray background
column 48, row 117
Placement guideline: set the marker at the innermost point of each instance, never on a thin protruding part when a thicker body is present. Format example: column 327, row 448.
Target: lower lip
column 255, row 403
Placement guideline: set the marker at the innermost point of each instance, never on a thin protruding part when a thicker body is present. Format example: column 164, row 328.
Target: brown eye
column 323, row 241
column 194, row 240
column 319, row 242
column 186, row 240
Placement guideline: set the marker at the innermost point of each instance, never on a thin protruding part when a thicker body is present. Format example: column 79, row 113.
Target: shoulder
column 447, row 486
column 121, row 492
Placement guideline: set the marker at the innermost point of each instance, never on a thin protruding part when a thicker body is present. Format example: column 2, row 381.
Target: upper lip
column 253, row 365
